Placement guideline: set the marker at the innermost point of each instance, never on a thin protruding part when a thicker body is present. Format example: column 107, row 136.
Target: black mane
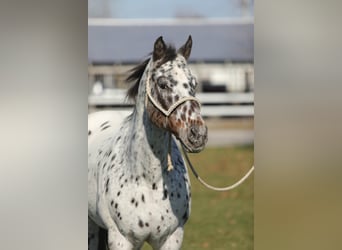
column 137, row 72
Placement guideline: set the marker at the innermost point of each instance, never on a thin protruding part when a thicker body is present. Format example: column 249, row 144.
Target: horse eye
column 162, row 82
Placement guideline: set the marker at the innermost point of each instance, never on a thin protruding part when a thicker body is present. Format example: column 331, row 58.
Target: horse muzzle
column 197, row 137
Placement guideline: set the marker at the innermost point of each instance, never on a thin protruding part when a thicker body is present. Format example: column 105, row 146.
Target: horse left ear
column 185, row 50
column 159, row 49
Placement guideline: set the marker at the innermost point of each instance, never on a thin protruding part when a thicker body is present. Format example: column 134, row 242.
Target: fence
column 213, row 104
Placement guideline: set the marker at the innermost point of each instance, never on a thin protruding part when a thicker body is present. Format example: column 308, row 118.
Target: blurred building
column 222, row 55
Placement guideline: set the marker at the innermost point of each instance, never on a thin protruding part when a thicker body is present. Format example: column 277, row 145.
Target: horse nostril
column 194, row 130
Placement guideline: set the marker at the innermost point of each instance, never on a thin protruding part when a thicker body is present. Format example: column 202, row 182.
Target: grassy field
column 221, row 220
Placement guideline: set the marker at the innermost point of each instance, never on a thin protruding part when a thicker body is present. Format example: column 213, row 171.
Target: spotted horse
column 138, row 185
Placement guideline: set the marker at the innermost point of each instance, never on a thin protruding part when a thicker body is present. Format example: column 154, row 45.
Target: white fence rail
column 213, row 104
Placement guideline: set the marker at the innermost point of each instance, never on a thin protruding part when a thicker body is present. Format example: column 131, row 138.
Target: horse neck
column 150, row 143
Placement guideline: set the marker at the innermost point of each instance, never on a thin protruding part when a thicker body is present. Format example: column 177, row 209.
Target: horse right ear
column 159, row 49
column 185, row 50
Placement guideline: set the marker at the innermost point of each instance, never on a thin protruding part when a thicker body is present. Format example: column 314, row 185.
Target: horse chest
column 149, row 209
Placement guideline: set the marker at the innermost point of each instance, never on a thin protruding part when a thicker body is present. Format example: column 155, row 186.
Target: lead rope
column 221, row 189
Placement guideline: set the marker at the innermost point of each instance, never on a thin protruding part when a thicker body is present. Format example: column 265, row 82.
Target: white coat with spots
column 132, row 195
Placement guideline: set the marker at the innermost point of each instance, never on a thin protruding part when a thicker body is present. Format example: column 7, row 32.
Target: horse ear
column 159, row 49
column 185, row 50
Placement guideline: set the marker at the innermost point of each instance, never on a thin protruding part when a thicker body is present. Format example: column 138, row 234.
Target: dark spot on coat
column 165, row 194
column 154, row 186
column 140, row 223
column 89, row 132
column 108, row 126
column 106, row 122
column 107, row 182
column 142, row 198
column 173, row 81
column 183, row 117
column 185, row 216
column 169, row 99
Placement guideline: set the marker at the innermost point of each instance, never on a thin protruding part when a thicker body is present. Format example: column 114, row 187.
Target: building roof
column 130, row 41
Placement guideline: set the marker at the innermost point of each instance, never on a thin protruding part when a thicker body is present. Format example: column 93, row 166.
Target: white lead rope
column 212, row 187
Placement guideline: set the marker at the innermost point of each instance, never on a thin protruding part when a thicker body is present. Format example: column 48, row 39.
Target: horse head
column 171, row 102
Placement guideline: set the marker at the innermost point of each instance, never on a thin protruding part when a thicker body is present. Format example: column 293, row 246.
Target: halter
column 169, row 161
column 167, row 113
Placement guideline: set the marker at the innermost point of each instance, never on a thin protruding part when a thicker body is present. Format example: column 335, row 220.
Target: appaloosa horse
column 138, row 185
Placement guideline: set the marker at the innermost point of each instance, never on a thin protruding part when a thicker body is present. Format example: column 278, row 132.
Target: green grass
column 221, row 220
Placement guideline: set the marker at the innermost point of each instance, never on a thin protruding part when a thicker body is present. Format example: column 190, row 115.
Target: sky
column 169, row 8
